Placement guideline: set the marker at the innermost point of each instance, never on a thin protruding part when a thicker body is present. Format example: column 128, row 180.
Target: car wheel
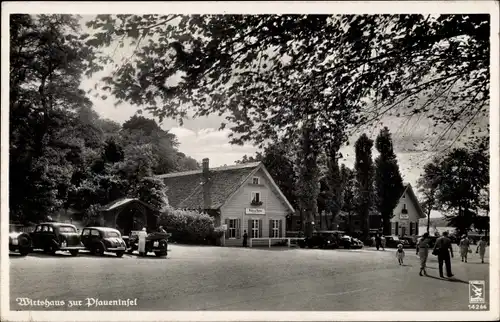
column 50, row 250
column 99, row 249
column 160, row 254
column 119, row 254
column 24, row 251
column 74, row 252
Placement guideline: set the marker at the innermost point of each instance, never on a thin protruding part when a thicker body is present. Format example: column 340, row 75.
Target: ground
column 216, row 278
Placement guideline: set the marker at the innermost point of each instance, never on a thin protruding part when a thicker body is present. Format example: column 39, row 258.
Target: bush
column 188, row 226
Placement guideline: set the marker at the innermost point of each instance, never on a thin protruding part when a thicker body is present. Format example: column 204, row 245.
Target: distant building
column 244, row 197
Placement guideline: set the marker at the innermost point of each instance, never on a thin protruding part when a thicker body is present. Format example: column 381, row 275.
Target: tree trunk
column 429, row 220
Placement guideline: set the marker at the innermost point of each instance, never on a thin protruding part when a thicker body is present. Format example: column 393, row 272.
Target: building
column 407, row 214
column 244, row 197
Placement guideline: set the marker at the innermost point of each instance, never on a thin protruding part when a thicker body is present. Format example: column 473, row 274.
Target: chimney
column 207, row 202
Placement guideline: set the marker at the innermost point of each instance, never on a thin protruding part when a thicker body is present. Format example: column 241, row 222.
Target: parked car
column 156, row 242
column 19, row 241
column 409, row 242
column 53, row 236
column 393, row 242
column 103, row 239
column 320, row 239
column 349, row 242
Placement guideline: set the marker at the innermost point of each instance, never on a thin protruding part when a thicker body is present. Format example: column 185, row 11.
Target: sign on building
column 255, row 211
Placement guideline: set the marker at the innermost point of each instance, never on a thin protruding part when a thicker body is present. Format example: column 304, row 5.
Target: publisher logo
column 476, row 292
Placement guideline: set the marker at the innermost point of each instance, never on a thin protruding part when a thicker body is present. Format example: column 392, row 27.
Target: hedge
column 190, row 227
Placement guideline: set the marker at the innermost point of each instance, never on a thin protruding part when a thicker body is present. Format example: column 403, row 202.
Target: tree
column 388, row 181
column 308, row 176
column 364, row 180
column 465, row 174
column 428, row 185
column 268, row 72
column 46, row 137
column 348, row 192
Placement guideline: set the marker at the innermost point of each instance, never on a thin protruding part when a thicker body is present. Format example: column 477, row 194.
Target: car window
column 94, row 232
column 86, row 232
column 38, row 228
column 45, row 228
column 112, row 234
column 67, row 229
column 50, row 229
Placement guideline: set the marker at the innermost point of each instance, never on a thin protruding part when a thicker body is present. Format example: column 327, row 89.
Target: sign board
column 224, row 227
column 404, row 216
column 255, row 211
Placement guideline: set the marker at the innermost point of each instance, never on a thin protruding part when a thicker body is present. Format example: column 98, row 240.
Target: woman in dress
column 481, row 248
column 423, row 252
column 464, row 248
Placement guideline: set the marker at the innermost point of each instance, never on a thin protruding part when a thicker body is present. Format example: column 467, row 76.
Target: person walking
column 383, row 240
column 464, row 247
column 245, row 238
column 423, row 252
column 378, row 241
column 481, row 248
column 443, row 249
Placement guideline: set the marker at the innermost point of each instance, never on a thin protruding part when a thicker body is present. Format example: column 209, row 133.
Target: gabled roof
column 185, row 189
column 122, row 202
column 414, row 198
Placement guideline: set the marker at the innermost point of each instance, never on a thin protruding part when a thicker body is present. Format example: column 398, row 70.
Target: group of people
column 444, row 251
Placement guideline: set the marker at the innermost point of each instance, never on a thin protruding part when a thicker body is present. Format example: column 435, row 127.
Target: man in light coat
column 142, row 241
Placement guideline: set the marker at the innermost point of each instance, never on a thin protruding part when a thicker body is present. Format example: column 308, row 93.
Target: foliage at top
column 269, row 73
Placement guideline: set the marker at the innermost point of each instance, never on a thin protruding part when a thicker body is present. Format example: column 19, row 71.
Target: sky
column 200, row 138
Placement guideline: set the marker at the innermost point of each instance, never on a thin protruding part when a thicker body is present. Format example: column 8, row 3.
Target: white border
column 372, row 7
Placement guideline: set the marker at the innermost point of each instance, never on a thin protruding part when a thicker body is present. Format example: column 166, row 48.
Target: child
column 400, row 254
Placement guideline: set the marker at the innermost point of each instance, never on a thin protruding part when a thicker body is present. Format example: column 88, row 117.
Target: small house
column 244, row 197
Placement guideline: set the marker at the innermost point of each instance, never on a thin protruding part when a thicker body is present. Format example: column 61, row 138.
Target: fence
column 288, row 240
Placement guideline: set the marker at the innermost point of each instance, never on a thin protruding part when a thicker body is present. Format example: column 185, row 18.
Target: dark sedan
column 103, row 239
column 53, row 236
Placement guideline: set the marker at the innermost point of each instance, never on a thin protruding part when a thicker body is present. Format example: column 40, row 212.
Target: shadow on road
column 451, row 279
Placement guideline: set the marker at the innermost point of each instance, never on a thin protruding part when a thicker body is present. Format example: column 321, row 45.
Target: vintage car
column 348, row 242
column 54, row 236
column 103, row 239
column 156, row 242
column 320, row 239
column 19, row 241
column 393, row 242
column 409, row 242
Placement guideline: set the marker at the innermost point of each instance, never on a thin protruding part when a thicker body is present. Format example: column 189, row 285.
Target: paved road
column 214, row 278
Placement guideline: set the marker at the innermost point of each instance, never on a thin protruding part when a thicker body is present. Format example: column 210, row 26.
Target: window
column 38, row 228
column 86, row 232
column 404, row 196
column 231, row 230
column 94, row 232
column 255, row 228
column 275, row 232
column 67, row 229
column 255, row 180
column 255, row 196
column 404, row 206
column 45, row 228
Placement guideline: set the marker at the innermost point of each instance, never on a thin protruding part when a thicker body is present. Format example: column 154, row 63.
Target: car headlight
column 64, row 243
column 15, row 241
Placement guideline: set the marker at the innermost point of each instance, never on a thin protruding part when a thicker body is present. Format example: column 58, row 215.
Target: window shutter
column 393, row 228
column 416, row 228
column 396, row 228
column 280, row 227
column 238, row 228
column 260, row 228
column 249, row 228
column 270, row 228
column 226, row 221
column 411, row 228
